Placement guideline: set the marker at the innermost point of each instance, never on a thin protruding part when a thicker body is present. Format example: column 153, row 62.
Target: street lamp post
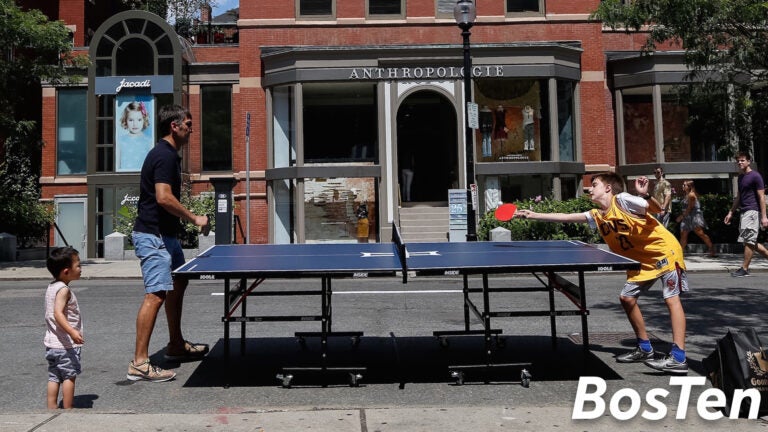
column 464, row 12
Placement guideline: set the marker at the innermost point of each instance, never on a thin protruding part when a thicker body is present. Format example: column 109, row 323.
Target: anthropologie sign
column 426, row 72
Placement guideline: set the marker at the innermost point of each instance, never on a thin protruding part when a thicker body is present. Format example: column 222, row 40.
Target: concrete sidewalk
column 417, row 419
column 103, row 269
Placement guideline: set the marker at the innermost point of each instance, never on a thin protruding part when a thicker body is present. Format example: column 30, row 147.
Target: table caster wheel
column 525, row 378
column 501, row 341
column 354, row 379
column 285, row 380
column 458, row 376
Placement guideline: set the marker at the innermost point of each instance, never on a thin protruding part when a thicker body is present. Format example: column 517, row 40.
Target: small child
column 64, row 334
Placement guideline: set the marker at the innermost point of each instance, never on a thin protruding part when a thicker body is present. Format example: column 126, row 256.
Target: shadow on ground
column 396, row 360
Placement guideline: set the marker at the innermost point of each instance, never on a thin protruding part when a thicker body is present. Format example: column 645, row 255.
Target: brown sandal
column 192, row 351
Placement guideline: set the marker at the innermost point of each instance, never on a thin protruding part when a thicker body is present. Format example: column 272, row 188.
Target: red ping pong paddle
column 505, row 212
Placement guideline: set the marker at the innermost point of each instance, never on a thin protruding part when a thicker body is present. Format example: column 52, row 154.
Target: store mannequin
column 486, row 129
column 407, row 165
column 529, row 143
column 500, row 126
column 492, row 193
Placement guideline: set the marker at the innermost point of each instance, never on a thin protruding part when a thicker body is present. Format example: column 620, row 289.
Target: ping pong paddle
column 505, row 212
column 206, row 229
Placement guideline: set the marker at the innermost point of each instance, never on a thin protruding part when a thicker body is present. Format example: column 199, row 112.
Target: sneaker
column 635, row 356
column 740, row 273
column 148, row 372
column 668, row 364
column 191, row 351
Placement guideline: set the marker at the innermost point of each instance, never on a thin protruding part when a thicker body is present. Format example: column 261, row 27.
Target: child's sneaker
column 636, row 356
column 148, row 372
column 669, row 365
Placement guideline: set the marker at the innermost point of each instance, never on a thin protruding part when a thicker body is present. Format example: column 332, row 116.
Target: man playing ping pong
column 628, row 228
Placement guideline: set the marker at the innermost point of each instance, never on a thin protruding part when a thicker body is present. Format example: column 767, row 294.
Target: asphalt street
column 406, row 366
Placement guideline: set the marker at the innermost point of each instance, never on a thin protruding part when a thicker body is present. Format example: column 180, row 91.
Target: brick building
column 345, row 97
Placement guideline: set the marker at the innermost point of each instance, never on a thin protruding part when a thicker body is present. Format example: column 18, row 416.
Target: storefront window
column 513, row 120
column 695, row 125
column 283, row 222
column 517, row 6
column 444, row 8
column 134, row 130
column 384, row 8
column 315, row 8
column 105, row 202
column 216, row 127
column 639, row 137
column 565, row 121
column 332, row 208
column 283, row 128
column 71, row 140
column 514, row 188
column 105, row 141
column 340, row 123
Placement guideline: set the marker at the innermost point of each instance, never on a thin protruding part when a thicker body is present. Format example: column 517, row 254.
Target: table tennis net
column 402, row 252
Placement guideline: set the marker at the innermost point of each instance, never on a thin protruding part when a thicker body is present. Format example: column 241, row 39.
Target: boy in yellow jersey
column 627, row 226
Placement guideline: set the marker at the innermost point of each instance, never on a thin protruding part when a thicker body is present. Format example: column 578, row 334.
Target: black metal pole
column 468, row 139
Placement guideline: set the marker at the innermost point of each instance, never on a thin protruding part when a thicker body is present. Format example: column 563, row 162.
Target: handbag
column 739, row 361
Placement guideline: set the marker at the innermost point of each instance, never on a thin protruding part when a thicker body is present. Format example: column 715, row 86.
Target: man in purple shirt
column 750, row 199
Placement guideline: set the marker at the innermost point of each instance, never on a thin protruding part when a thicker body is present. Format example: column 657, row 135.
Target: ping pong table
column 546, row 260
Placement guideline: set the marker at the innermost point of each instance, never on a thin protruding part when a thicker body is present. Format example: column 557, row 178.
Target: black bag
column 739, row 362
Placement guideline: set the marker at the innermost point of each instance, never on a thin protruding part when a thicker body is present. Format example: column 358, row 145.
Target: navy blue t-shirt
column 749, row 184
column 162, row 165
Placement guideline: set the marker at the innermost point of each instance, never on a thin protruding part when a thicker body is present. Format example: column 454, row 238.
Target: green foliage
column 714, row 207
column 182, row 13
column 22, row 214
column 34, row 50
column 523, row 229
column 200, row 205
column 725, row 43
column 124, row 220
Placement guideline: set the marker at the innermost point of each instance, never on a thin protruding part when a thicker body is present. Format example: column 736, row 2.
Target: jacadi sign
column 117, row 84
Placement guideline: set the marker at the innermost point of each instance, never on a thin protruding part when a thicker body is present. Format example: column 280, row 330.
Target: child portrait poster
column 134, row 130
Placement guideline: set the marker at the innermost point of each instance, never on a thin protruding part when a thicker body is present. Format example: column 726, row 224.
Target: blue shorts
column 159, row 256
column 63, row 364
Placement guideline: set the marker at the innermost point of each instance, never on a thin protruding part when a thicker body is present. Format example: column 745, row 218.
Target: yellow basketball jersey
column 641, row 238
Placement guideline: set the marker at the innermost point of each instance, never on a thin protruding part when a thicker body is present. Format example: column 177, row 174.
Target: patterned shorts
column 673, row 283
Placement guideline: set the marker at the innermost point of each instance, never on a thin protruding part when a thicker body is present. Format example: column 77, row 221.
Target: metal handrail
column 48, row 238
column 239, row 226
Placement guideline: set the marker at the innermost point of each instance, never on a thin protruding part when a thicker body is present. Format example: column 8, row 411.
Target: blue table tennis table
column 250, row 265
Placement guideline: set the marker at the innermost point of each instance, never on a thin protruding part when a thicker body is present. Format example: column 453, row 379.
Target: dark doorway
column 426, row 143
